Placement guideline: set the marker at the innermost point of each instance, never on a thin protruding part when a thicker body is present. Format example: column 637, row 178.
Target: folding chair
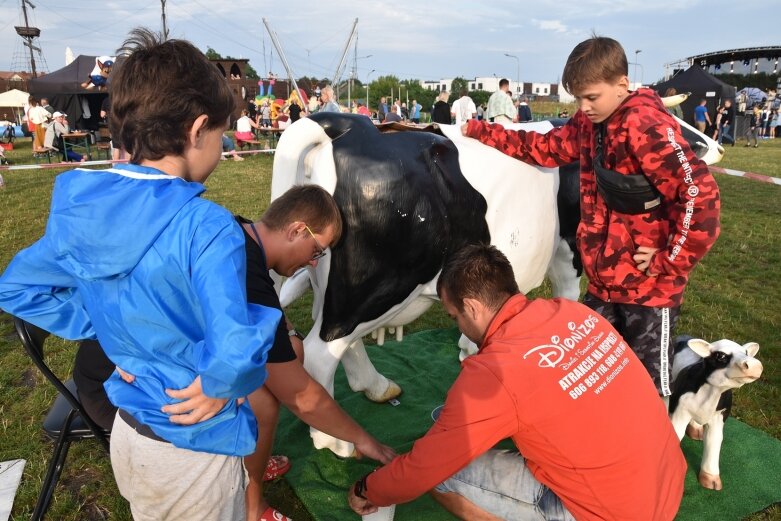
column 66, row 422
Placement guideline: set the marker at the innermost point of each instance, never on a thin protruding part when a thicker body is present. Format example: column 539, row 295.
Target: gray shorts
column 499, row 483
column 647, row 330
column 163, row 482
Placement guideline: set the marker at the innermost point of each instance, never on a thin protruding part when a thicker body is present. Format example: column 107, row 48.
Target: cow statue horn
column 674, row 101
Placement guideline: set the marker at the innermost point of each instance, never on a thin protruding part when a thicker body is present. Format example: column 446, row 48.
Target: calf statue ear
column 751, row 348
column 699, row 346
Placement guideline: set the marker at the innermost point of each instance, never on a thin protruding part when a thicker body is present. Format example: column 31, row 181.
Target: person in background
column 525, row 111
column 328, row 100
column 244, row 126
column 463, row 109
column 37, row 117
column 676, row 111
column 500, row 105
column 54, row 139
column 393, row 115
column 440, row 112
column 382, row 109
column 727, row 119
column 752, row 132
column 229, row 147
column 415, row 111
column 701, row 117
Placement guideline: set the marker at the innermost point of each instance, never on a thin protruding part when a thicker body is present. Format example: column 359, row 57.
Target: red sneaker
column 272, row 514
column 277, row 467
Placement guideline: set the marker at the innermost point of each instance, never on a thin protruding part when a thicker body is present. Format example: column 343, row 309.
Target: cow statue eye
column 720, row 357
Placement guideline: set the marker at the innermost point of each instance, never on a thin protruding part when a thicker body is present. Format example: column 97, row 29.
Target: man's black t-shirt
column 260, row 290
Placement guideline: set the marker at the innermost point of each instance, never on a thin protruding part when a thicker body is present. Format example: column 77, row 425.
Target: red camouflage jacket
column 640, row 137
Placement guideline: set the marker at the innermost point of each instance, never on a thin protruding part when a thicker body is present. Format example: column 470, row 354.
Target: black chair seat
column 58, row 414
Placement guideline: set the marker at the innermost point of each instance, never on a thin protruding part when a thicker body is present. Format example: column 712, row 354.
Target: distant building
column 234, row 70
column 491, row 84
column 14, row 80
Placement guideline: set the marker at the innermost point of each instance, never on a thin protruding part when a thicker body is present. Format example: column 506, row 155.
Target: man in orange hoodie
column 649, row 208
column 559, row 381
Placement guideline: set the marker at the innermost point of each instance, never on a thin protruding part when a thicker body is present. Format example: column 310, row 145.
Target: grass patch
column 734, row 294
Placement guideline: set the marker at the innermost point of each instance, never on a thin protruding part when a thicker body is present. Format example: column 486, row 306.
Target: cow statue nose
column 753, row 368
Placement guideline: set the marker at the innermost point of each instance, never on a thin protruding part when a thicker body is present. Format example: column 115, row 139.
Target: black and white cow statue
column 703, row 377
column 409, row 199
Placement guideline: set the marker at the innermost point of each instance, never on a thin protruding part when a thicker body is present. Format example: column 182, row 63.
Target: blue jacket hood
column 93, row 212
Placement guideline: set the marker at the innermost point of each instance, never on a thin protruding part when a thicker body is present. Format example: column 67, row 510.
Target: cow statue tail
column 292, row 161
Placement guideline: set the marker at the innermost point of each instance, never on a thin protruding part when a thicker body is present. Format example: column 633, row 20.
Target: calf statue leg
column 713, row 436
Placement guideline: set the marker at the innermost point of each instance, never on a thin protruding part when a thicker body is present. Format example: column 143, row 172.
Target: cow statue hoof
column 392, row 391
column 710, row 481
column 321, row 440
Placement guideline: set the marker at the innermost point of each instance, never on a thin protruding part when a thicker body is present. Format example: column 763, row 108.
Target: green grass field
column 734, row 293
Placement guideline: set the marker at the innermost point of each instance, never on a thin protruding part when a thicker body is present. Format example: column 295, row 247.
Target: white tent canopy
column 13, row 98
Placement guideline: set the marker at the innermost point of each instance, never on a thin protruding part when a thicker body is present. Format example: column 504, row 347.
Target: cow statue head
column 704, row 375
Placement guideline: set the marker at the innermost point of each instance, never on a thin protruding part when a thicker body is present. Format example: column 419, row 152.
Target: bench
column 45, row 153
column 253, row 144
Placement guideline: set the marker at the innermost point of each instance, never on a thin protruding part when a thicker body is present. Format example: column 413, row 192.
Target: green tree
column 212, row 54
column 251, row 73
column 457, row 86
column 480, row 96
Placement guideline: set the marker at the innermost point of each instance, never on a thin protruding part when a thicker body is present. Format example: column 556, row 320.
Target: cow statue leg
column 363, row 377
column 320, row 361
column 709, row 476
column 564, row 278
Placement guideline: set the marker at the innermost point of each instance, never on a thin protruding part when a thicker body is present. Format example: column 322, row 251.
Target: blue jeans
column 724, row 134
column 499, row 482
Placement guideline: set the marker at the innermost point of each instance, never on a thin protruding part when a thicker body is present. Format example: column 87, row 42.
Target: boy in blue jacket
column 134, row 257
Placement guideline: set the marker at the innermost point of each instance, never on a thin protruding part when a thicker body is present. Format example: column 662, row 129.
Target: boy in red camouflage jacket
column 637, row 263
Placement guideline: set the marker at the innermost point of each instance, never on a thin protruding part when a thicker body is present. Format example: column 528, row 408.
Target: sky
column 422, row 39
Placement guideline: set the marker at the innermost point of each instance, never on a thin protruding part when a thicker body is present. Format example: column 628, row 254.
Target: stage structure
column 748, row 60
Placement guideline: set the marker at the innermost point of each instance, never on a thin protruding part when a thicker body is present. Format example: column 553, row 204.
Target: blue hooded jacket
column 135, row 258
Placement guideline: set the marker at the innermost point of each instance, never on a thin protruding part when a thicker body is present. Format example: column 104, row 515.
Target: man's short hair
column 592, row 61
column 480, row 272
column 310, row 204
column 157, row 93
column 504, row 82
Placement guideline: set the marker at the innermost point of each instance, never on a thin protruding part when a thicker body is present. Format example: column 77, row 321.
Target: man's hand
column 359, row 505
column 127, row 377
column 375, row 450
column 643, row 258
column 195, row 407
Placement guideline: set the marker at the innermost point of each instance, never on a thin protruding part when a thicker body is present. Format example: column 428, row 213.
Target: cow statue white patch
column 704, row 376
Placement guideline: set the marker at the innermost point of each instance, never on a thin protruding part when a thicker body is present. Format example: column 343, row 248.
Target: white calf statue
column 703, row 377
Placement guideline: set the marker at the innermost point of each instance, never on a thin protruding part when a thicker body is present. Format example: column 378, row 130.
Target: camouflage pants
column 647, row 330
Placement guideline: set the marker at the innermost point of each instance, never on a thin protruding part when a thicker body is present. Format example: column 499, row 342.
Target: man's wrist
column 293, row 332
column 360, row 489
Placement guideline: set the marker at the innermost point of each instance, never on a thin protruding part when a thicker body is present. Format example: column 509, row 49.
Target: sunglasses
column 321, row 251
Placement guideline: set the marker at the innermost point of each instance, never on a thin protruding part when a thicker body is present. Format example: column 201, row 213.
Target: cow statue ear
column 751, row 348
column 699, row 346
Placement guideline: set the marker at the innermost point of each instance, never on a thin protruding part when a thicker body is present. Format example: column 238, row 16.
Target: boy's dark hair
column 592, row 61
column 310, row 204
column 157, row 93
column 481, row 272
column 503, row 82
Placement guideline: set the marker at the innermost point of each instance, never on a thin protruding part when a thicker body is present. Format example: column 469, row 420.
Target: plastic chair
column 66, row 422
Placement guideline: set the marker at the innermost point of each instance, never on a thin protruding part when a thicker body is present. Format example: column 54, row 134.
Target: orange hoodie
column 560, row 381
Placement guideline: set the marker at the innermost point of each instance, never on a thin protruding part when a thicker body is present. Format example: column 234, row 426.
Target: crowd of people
column 197, row 355
column 762, row 119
